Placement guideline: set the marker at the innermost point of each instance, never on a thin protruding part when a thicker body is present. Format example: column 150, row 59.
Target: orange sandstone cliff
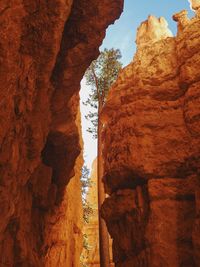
column 45, row 48
column 152, row 149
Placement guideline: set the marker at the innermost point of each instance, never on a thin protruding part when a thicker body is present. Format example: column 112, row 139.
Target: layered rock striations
column 152, row 149
column 45, row 48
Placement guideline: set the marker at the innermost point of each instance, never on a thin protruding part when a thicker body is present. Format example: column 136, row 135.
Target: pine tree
column 101, row 74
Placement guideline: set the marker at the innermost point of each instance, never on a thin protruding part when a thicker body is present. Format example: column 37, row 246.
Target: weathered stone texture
column 152, row 150
column 45, row 48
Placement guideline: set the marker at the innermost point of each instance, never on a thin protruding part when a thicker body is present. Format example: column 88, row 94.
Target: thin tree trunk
column 103, row 232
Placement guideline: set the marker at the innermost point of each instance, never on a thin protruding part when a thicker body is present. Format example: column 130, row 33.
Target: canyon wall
column 152, row 149
column 45, row 48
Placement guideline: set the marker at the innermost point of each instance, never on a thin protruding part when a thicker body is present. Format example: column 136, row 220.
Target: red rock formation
column 45, row 48
column 152, row 150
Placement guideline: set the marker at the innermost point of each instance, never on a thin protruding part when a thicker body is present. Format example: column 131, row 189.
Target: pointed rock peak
column 152, row 30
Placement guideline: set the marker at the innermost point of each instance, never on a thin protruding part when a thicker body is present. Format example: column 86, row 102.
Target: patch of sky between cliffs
column 122, row 34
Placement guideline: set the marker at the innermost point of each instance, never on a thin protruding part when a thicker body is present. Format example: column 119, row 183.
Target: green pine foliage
column 100, row 76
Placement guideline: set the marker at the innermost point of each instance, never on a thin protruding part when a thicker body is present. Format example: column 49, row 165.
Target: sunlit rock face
column 152, row 30
column 45, row 48
column 152, row 150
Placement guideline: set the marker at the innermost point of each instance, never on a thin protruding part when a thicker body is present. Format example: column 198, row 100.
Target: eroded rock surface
column 45, row 48
column 152, row 149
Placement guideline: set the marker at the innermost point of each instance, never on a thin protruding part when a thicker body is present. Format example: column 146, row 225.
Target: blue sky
column 122, row 35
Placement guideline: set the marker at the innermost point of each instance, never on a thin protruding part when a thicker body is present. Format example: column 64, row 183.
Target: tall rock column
column 152, row 149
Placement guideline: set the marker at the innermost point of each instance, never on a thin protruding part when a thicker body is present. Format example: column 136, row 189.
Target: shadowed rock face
column 45, row 48
column 152, row 150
